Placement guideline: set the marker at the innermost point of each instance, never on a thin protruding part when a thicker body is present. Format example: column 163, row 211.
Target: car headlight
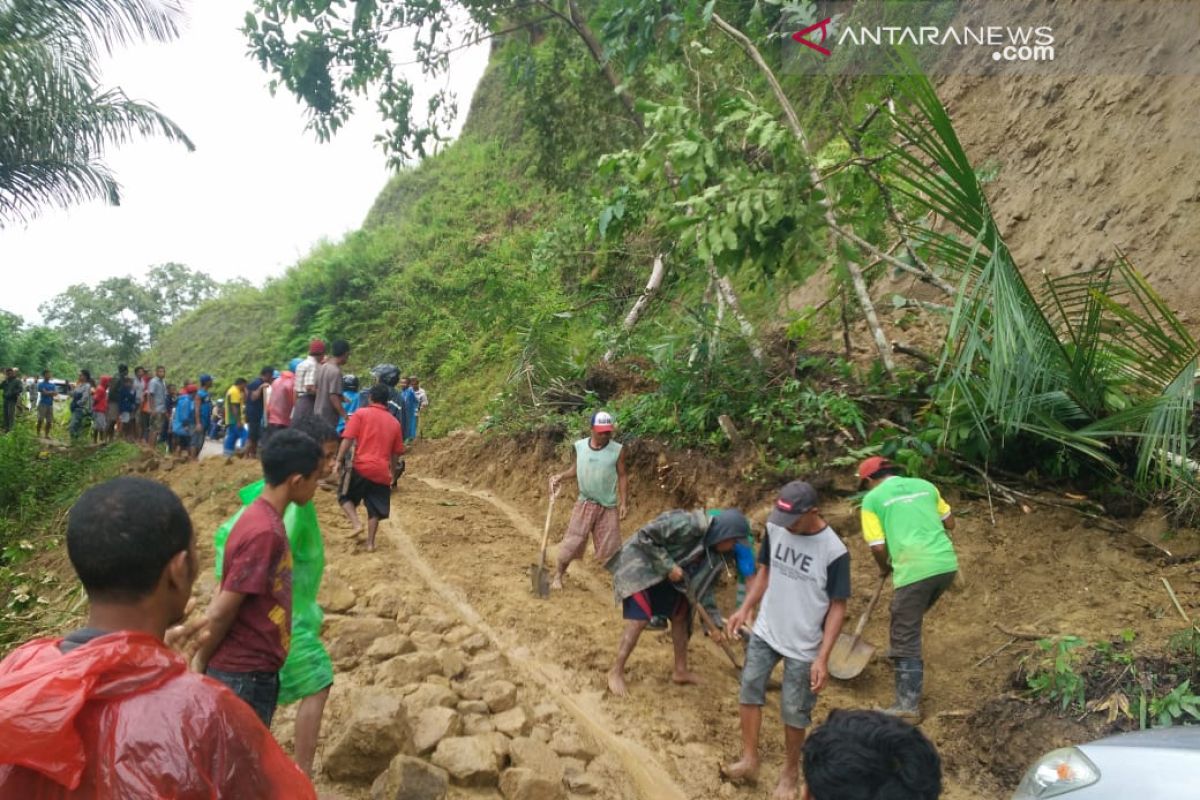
column 1057, row 772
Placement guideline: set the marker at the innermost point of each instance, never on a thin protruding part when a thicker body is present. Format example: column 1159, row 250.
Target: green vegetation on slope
column 38, row 483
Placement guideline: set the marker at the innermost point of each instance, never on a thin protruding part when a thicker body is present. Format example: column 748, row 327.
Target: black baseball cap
column 794, row 500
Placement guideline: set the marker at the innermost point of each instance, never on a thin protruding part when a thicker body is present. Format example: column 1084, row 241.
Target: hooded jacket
column 676, row 538
column 122, row 717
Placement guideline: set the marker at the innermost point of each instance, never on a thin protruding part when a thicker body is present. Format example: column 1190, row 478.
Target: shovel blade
column 540, row 580
column 850, row 656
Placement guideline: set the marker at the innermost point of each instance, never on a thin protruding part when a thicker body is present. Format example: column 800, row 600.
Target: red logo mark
column 799, row 36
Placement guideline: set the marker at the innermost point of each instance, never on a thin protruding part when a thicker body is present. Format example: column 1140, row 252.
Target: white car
column 1159, row 764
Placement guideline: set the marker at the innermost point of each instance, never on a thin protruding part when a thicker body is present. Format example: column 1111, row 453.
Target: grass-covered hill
column 806, row 224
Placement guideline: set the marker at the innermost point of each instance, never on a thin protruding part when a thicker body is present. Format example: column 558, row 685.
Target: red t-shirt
column 283, row 397
column 100, row 399
column 377, row 435
column 258, row 563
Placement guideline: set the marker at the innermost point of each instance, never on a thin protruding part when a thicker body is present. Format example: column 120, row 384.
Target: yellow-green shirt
column 906, row 514
column 233, row 397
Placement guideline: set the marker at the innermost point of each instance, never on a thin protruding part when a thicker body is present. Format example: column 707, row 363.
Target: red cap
column 316, row 348
column 870, row 466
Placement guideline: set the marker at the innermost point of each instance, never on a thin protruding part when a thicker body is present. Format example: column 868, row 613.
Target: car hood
column 1182, row 737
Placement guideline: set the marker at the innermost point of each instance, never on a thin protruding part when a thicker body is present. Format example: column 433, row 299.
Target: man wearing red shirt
column 378, row 440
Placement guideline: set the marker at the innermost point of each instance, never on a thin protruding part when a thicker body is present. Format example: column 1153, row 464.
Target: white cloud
column 255, row 196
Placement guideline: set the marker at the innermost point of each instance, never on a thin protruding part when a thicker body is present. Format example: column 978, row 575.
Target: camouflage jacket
column 673, row 538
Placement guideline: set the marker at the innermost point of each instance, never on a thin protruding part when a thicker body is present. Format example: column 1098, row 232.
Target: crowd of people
column 136, row 663
column 145, row 408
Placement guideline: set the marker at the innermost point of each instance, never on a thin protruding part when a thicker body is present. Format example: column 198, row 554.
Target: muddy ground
column 454, row 562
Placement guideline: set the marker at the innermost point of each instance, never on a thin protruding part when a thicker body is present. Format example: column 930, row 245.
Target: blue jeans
column 232, row 435
column 260, row 690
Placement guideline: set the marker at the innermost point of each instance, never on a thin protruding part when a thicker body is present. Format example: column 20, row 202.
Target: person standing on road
column 603, row 497
column 378, row 442
column 307, row 673
column 235, row 400
column 306, row 379
column 282, row 402
column 157, row 392
column 256, row 401
column 906, row 522
column 803, row 582
column 81, row 404
column 422, row 403
column 141, row 414
column 100, row 427
column 328, row 402
column 45, row 407
column 11, row 389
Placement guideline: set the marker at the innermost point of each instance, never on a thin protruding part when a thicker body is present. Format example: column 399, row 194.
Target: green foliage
column 31, row 348
column 1096, row 361
column 55, row 120
column 330, row 54
column 1055, row 676
column 36, row 487
column 1111, row 677
column 116, row 320
column 228, row 337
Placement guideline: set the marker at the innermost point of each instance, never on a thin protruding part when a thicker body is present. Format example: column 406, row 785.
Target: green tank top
column 596, row 471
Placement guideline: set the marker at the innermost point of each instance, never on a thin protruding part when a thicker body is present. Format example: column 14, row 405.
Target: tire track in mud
column 476, row 549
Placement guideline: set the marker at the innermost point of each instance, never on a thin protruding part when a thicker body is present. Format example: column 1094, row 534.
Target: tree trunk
column 657, row 273
column 726, row 291
column 856, row 275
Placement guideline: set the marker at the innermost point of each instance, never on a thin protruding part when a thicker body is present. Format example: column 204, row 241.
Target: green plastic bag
column 308, row 668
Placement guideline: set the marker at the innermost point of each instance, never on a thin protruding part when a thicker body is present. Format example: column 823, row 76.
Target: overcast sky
column 254, row 197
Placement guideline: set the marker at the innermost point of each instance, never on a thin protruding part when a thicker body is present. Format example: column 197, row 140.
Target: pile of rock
column 437, row 705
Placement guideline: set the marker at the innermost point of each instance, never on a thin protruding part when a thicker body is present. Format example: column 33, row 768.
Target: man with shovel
column 603, row 497
column 803, row 581
column 905, row 521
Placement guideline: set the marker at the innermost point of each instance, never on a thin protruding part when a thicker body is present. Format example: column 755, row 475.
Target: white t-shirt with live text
column 806, row 573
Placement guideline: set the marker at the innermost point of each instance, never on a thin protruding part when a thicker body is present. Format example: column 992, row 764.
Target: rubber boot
column 910, row 678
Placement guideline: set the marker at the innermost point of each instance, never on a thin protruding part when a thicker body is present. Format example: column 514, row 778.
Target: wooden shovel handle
column 862, row 621
column 546, row 529
column 711, row 627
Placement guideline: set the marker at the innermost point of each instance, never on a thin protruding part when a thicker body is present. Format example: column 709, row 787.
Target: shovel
column 852, row 653
column 541, row 581
column 706, row 621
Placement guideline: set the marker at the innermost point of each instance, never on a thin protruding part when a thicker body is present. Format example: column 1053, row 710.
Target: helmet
column 349, row 383
column 386, row 373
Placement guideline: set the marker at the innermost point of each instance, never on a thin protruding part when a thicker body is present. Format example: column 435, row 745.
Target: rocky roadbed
column 424, row 705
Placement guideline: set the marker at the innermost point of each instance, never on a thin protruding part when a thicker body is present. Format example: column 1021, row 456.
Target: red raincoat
column 122, row 717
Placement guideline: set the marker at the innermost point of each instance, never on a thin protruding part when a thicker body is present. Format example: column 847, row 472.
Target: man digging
column 603, row 497
column 906, row 523
column 676, row 546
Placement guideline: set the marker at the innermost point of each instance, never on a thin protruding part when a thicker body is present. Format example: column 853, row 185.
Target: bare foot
column 616, row 683
column 557, row 582
column 741, row 771
column 685, row 678
column 786, row 788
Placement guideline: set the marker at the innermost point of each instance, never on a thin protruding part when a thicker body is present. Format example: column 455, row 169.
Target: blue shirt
column 350, row 402
column 184, row 410
column 206, row 407
column 43, row 399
